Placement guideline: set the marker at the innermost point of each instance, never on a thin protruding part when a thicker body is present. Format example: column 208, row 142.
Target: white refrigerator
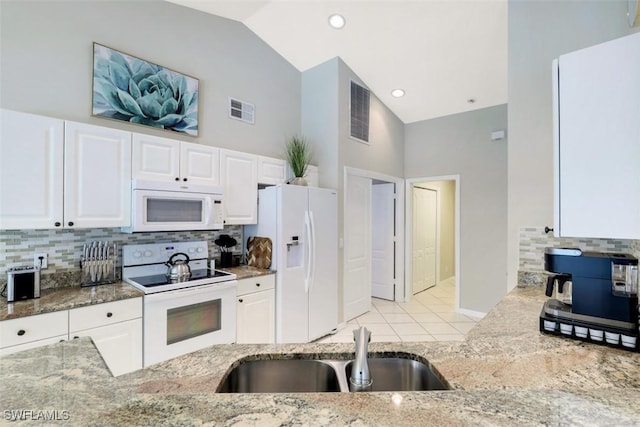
column 302, row 223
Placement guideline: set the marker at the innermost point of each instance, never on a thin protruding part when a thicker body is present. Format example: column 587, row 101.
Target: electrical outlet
column 36, row 260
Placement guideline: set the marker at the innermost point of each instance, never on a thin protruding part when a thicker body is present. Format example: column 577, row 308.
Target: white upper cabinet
column 239, row 177
column 271, row 171
column 97, row 176
column 31, row 171
column 162, row 159
column 200, row 164
column 154, row 158
column 58, row 174
column 597, row 141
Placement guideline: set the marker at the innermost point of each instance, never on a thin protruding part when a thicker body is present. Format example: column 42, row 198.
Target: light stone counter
column 504, row 373
column 64, row 298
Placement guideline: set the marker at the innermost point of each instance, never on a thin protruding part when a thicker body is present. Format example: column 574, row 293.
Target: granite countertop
column 64, row 298
column 246, row 272
column 58, row 299
column 505, row 373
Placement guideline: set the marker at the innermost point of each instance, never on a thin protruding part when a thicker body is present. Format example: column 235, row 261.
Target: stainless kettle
column 179, row 270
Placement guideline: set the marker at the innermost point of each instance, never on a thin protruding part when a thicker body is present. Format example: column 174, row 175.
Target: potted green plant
column 298, row 156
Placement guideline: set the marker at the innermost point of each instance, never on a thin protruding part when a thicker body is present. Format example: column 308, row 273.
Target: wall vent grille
column 242, row 111
column 360, row 98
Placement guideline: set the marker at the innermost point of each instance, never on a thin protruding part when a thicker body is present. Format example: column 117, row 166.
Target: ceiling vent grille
column 360, row 98
column 242, row 111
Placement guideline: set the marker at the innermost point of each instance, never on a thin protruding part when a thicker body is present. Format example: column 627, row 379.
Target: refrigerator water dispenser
column 294, row 253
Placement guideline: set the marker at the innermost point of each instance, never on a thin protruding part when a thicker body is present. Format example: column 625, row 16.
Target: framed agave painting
column 136, row 91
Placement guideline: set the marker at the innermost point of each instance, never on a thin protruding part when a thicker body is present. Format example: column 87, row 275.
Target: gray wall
column 540, row 31
column 46, row 55
column 460, row 144
column 320, row 119
column 326, row 121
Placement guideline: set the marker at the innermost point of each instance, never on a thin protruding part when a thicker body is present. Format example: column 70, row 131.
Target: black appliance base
column 591, row 332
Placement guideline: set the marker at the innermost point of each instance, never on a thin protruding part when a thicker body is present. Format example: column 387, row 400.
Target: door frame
column 437, row 260
column 409, row 184
column 400, row 293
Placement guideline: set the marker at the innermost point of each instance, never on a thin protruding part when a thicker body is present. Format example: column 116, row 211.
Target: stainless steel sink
column 281, row 376
column 314, row 376
column 396, row 374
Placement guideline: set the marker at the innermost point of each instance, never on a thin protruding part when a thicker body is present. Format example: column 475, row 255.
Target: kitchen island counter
column 504, row 373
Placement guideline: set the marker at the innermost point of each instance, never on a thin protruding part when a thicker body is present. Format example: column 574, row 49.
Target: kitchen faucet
column 360, row 379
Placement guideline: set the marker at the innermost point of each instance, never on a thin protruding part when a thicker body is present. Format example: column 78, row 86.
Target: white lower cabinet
column 116, row 331
column 255, row 312
column 33, row 331
column 115, row 328
column 120, row 345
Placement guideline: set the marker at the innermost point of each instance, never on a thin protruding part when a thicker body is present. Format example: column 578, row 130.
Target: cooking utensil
column 179, row 270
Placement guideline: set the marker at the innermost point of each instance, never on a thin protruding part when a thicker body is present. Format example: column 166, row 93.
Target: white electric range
column 180, row 316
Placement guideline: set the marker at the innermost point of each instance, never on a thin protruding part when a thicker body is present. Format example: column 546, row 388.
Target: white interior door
column 424, row 238
column 383, row 241
column 357, row 246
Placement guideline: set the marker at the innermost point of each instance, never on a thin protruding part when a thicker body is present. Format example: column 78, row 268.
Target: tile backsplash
column 533, row 241
column 64, row 247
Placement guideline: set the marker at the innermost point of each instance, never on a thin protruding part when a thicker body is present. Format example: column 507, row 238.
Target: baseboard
column 471, row 313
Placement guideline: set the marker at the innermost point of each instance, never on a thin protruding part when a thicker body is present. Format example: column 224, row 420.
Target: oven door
column 185, row 320
column 154, row 210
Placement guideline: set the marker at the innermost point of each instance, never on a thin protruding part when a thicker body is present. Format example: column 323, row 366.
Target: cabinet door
column 256, row 318
column 240, row 181
column 154, row 158
column 97, row 177
column 598, row 141
column 120, row 345
column 199, row 164
column 31, row 165
column 271, row 171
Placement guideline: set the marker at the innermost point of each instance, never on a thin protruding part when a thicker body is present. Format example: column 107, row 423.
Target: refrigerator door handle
column 312, row 258
column 307, row 224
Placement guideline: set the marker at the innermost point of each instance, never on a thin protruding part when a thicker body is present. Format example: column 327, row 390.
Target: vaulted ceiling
column 449, row 56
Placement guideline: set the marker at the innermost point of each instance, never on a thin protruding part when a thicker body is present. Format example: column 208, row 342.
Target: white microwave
column 168, row 206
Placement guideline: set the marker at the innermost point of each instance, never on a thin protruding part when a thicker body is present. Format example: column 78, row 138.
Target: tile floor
column 429, row 316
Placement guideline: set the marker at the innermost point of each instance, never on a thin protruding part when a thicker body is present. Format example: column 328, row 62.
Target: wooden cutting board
column 259, row 252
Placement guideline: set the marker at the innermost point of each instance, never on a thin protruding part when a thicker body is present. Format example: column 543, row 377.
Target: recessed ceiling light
column 397, row 93
column 337, row 21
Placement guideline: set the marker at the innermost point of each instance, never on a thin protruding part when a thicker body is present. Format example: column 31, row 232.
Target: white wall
column 46, row 55
column 461, row 144
column 540, row 31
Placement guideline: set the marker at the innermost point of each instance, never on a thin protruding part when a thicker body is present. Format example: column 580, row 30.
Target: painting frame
column 130, row 89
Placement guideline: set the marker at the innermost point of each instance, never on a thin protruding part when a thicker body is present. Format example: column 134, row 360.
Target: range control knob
column 191, row 250
column 137, row 254
column 148, row 253
column 200, row 250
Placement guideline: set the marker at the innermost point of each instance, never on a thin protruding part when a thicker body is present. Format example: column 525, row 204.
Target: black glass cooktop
column 163, row 279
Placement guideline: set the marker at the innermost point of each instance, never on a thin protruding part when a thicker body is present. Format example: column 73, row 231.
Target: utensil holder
column 226, row 259
column 98, row 264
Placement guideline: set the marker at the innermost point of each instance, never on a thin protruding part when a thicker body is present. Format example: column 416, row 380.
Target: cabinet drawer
column 104, row 314
column 33, row 328
column 256, row 284
column 33, row 344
